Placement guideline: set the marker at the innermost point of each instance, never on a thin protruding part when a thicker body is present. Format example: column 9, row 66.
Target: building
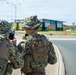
column 51, row 25
column 47, row 24
column 69, row 28
column 17, row 24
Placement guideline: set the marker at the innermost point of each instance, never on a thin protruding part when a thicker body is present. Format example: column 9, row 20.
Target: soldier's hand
column 14, row 41
column 13, row 62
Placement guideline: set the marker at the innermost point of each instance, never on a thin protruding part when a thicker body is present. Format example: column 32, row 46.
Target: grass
column 54, row 32
column 58, row 32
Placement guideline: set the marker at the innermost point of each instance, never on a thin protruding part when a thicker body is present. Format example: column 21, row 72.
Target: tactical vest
column 39, row 51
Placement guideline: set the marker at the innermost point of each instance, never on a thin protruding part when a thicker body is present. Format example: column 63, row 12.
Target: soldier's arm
column 21, row 48
column 52, row 59
column 15, row 57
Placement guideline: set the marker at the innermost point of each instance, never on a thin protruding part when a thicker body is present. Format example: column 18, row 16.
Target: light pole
column 15, row 10
column 15, row 14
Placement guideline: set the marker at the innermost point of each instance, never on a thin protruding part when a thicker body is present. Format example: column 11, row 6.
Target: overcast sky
column 62, row 10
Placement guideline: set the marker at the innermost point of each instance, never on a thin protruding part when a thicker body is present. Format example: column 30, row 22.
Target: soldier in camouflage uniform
column 10, row 57
column 36, row 48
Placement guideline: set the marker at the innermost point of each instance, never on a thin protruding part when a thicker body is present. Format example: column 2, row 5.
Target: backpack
column 39, row 51
column 5, row 66
column 3, row 48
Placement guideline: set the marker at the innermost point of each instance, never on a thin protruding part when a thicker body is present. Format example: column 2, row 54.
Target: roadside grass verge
column 53, row 32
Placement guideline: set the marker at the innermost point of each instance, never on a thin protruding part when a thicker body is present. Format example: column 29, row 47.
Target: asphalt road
column 68, row 51
column 67, row 46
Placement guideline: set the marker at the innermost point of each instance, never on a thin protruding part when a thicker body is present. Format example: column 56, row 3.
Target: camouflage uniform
column 10, row 57
column 34, row 64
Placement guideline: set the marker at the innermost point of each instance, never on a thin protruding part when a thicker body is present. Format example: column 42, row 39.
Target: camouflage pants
column 3, row 64
column 37, row 72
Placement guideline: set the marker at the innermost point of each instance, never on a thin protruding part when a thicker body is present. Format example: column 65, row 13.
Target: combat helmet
column 31, row 22
column 4, row 27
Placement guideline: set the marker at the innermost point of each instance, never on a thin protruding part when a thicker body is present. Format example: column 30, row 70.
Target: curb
column 61, row 63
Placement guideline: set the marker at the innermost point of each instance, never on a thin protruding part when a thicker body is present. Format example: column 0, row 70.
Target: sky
column 62, row 10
